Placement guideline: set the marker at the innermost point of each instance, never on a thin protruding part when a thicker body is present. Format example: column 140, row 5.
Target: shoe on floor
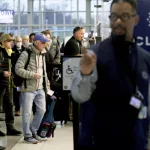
column 2, row 147
column 31, row 140
column 2, row 134
column 13, row 132
column 17, row 113
column 2, row 111
column 35, row 136
column 2, row 119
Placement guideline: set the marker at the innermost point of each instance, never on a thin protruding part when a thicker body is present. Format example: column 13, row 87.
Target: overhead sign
column 6, row 16
column 70, row 66
column 142, row 30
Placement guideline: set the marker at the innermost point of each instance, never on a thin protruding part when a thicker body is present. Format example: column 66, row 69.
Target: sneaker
column 31, row 140
column 35, row 136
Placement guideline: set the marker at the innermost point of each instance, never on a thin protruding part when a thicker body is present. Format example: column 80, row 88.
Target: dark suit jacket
column 73, row 47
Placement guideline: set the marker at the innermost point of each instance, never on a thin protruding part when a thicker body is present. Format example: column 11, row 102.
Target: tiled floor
column 63, row 138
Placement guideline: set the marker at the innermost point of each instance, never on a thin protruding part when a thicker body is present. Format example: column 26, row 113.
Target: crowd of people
column 111, row 86
column 13, row 57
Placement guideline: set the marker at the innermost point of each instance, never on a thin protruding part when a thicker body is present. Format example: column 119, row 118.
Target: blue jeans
column 26, row 101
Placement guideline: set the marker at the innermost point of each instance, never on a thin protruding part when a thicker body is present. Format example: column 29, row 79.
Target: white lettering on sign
column 6, row 12
column 143, row 40
column 6, row 16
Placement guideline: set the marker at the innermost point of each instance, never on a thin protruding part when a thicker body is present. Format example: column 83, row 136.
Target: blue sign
column 142, row 30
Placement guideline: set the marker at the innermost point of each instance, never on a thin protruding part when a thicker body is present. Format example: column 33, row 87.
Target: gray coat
column 32, row 83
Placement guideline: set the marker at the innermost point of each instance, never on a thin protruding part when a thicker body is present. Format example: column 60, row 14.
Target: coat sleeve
column 57, row 56
column 19, row 67
column 83, row 86
column 1, row 71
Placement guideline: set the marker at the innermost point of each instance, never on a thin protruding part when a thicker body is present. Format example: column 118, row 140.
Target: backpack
column 48, row 126
column 46, row 130
column 17, row 79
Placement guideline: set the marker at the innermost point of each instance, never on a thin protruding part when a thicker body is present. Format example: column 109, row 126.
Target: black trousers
column 6, row 95
column 16, row 100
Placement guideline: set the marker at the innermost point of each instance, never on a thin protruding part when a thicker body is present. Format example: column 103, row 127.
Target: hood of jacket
column 32, row 48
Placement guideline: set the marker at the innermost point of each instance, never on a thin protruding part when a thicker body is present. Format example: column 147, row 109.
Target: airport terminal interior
column 59, row 16
column 63, row 138
column 23, row 17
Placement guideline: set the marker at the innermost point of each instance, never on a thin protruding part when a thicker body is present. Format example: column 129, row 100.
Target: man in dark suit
column 74, row 44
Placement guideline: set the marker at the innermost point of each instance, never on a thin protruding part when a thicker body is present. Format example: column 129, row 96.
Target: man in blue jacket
column 115, row 78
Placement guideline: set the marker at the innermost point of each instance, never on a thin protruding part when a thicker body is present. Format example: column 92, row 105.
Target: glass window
column 35, row 18
column 82, row 5
column 23, row 5
column 68, row 18
column 59, row 18
column 68, row 33
column 74, row 18
column 23, row 18
column 4, row 29
column 61, row 5
column 71, row 18
column 93, row 2
column 92, row 17
column 23, row 31
column 56, row 15
column 15, row 18
column 6, row 5
column 72, row 5
column 82, row 18
column 14, row 30
column 36, row 29
column 35, row 6
column 49, row 17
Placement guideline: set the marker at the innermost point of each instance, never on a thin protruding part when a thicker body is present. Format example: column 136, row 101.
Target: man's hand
column 37, row 76
column 88, row 62
column 6, row 74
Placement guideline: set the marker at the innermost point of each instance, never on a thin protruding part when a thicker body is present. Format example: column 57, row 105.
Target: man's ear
column 137, row 18
column 35, row 42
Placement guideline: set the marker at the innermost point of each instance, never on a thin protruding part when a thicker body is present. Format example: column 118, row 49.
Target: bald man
column 25, row 41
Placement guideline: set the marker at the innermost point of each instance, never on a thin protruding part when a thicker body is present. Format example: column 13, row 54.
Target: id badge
column 18, row 88
column 135, row 102
column 143, row 113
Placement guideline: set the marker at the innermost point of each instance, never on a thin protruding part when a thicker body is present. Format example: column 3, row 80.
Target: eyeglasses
column 124, row 17
column 8, row 41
